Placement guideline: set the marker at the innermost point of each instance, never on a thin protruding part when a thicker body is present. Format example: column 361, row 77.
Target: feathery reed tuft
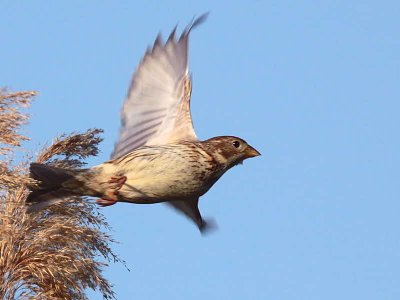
column 55, row 253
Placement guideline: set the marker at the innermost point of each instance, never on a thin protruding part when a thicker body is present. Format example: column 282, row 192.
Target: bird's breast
column 167, row 174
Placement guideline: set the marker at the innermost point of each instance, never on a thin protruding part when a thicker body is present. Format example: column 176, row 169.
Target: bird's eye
column 236, row 144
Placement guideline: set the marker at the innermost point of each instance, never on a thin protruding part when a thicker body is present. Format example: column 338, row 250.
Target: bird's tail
column 50, row 188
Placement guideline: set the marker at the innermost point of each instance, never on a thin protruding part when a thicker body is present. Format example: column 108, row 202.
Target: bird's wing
column 157, row 108
column 190, row 209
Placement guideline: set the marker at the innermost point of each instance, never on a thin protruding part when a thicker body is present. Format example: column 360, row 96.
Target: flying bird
column 158, row 157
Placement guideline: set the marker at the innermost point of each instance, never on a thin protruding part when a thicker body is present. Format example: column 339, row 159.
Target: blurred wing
column 190, row 208
column 157, row 108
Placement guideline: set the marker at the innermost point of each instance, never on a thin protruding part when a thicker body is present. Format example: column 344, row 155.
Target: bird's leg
column 118, row 180
column 110, row 196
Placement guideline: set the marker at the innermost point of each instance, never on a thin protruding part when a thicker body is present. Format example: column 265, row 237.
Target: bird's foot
column 119, row 181
column 111, row 195
column 110, row 198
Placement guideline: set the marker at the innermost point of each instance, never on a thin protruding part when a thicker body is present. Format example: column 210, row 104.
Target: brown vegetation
column 55, row 253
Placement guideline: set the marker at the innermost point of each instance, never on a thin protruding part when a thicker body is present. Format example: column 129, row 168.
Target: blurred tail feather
column 49, row 189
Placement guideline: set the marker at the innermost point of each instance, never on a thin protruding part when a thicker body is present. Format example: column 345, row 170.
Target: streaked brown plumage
column 158, row 157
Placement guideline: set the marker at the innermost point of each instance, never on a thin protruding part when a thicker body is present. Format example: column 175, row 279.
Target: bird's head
column 230, row 150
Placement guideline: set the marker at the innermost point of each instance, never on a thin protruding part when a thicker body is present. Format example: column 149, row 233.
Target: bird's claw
column 110, row 197
column 105, row 202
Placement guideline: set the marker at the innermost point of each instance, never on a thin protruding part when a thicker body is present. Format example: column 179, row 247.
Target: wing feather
column 157, row 108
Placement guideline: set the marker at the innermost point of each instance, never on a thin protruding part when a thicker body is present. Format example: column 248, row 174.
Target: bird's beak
column 251, row 152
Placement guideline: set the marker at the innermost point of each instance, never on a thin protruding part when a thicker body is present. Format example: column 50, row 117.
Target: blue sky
column 313, row 85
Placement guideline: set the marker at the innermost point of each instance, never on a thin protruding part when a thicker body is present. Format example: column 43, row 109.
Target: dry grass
column 58, row 252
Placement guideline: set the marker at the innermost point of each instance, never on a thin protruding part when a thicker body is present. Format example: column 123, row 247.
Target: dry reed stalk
column 52, row 254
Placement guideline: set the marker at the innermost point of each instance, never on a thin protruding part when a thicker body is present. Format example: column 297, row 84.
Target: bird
column 157, row 157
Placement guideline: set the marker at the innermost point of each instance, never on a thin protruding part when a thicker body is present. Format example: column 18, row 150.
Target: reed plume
column 61, row 251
